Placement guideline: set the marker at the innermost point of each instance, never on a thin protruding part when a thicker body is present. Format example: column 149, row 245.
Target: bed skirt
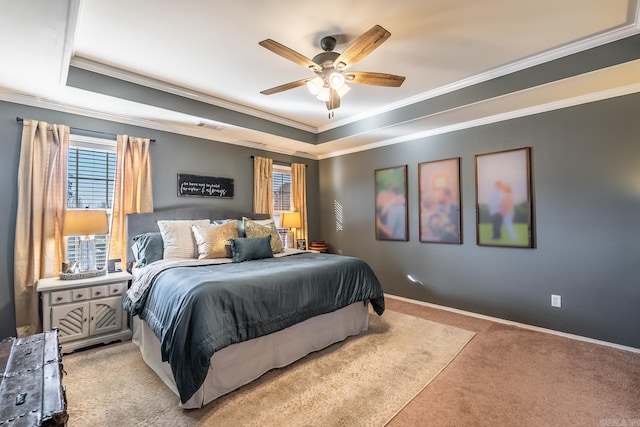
column 241, row 363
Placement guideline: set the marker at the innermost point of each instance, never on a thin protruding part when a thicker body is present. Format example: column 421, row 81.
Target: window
column 90, row 180
column 281, row 178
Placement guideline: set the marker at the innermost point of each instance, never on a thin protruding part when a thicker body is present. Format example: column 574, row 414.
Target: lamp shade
column 85, row 222
column 290, row 220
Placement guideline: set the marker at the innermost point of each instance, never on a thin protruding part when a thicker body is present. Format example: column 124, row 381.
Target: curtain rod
column 112, row 135
column 277, row 162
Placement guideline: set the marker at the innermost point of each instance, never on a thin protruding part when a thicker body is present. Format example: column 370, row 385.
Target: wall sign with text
column 204, row 186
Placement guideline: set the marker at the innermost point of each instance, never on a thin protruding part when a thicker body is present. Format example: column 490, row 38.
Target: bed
column 209, row 326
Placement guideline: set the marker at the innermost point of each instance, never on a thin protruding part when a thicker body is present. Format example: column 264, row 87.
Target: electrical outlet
column 556, row 301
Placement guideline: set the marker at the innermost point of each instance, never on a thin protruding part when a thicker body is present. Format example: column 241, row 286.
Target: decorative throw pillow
column 255, row 229
column 250, row 248
column 147, row 248
column 178, row 238
column 213, row 240
column 241, row 223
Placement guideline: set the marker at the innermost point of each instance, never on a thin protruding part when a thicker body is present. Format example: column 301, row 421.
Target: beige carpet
column 511, row 376
column 365, row 380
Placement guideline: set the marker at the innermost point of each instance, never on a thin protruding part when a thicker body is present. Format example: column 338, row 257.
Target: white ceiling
column 209, row 51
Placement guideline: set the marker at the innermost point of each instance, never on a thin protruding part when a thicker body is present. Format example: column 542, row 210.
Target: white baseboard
column 517, row 324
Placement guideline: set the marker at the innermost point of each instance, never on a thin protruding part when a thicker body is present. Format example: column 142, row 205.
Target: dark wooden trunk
column 31, row 391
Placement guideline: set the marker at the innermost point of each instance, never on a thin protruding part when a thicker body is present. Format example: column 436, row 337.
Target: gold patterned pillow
column 213, row 240
column 254, row 229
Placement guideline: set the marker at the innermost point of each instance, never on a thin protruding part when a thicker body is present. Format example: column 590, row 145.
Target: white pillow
column 178, row 238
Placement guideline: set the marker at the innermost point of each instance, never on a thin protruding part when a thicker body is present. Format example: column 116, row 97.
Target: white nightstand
column 86, row 311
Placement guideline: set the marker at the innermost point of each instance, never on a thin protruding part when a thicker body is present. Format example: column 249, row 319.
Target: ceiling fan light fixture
column 314, row 85
column 324, row 94
column 342, row 90
column 336, row 80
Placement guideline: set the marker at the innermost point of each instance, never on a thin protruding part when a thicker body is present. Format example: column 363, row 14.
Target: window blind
column 91, row 176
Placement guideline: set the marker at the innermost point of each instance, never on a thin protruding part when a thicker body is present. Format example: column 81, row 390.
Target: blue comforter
column 196, row 311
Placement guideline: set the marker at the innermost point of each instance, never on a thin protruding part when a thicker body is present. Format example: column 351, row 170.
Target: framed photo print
column 503, row 197
column 392, row 218
column 439, row 201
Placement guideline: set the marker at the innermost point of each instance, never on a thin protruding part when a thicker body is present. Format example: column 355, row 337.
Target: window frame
column 283, row 232
column 99, row 145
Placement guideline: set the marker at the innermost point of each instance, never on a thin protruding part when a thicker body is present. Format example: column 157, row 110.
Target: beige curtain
column 299, row 189
column 39, row 243
column 262, row 185
column 132, row 192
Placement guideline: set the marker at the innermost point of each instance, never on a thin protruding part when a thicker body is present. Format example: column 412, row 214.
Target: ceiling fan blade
column 361, row 47
column 334, row 100
column 285, row 86
column 290, row 54
column 375, row 79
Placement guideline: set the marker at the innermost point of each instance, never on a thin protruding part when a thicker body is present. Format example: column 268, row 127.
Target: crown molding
column 494, row 118
column 96, row 67
column 219, row 137
column 197, row 132
column 572, row 48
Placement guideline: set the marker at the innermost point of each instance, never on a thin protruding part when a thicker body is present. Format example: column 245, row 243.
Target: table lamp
column 290, row 220
column 86, row 223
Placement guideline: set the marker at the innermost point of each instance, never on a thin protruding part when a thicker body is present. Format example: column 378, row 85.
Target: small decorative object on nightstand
column 319, row 245
column 302, row 244
column 86, row 311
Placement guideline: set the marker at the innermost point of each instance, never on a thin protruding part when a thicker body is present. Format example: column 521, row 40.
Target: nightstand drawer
column 81, row 294
column 60, row 297
column 99, row 291
column 116, row 289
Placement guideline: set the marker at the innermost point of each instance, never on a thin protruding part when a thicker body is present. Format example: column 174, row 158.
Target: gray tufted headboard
column 147, row 222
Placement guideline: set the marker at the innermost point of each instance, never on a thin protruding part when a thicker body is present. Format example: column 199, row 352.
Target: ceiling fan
column 329, row 84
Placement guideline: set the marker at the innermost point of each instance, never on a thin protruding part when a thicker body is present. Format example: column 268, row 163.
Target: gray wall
column 169, row 155
column 586, row 188
column 586, row 170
